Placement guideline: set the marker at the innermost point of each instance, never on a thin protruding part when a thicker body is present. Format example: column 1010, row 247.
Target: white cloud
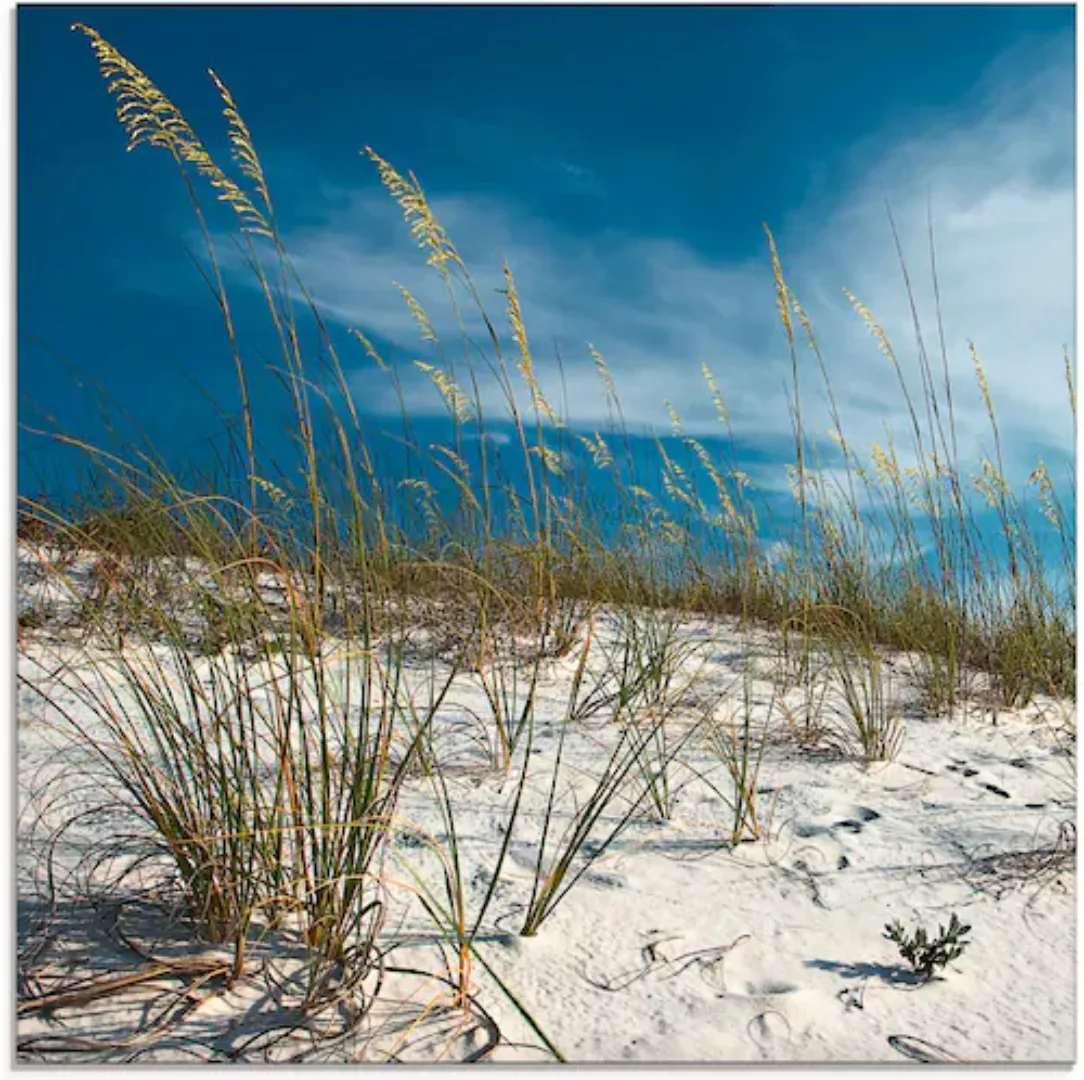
column 496, row 438
column 1001, row 184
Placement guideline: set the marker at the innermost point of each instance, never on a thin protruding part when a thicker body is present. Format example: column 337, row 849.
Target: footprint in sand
column 863, row 815
column 968, row 773
column 770, row 1030
column 746, row 973
column 829, row 848
column 855, row 821
column 858, row 818
column 963, row 769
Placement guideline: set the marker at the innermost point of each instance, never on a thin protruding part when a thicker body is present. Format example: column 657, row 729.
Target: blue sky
column 622, row 159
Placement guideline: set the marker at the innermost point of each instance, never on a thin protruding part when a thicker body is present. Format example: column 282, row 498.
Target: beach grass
column 269, row 657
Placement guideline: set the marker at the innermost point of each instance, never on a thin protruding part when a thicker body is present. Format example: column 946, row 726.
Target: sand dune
column 673, row 945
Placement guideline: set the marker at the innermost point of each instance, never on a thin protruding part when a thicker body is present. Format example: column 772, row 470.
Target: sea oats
column 417, row 313
column 669, row 531
column 277, row 495
column 525, row 362
column 603, row 457
column 1039, row 475
column 244, row 149
column 873, row 326
column 600, row 452
column 716, row 395
column 990, row 483
column 457, row 402
column 604, row 372
column 704, row 458
column 370, row 349
column 461, row 466
column 424, row 227
column 678, row 486
column 676, row 425
column 1047, row 494
column 980, row 375
column 833, row 537
column 716, row 478
column 803, row 318
column 675, row 490
column 917, row 491
column 551, row 460
column 782, row 301
column 885, row 464
column 675, row 480
column 148, row 116
column 506, row 588
column 426, row 495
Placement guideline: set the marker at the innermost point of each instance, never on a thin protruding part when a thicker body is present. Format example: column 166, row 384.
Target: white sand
column 671, row 947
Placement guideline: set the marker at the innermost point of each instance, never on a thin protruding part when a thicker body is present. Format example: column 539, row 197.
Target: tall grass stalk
column 738, row 740
column 639, row 670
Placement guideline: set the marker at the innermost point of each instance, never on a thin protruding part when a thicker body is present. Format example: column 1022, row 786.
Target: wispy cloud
column 1000, row 183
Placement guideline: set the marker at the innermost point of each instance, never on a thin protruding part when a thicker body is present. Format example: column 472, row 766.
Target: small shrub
column 924, row 954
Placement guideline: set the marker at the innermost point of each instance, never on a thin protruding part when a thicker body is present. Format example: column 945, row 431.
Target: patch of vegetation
column 927, row 954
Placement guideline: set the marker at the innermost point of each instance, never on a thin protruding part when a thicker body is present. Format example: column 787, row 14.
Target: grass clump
column 738, row 740
column 635, row 690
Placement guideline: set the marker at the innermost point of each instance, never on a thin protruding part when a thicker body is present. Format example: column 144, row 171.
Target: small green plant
column 926, row 955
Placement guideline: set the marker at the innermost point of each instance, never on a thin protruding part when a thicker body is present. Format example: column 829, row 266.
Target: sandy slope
column 671, row 947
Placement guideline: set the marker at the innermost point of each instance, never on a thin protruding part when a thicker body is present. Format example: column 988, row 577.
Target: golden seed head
column 525, row 363
column 781, row 293
column 600, row 452
column 551, row 460
column 370, row 349
column 457, row 402
column 716, row 395
column 424, row 226
column 603, row 370
column 872, row 325
column 148, row 116
column 675, row 420
column 980, row 375
column 417, row 312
